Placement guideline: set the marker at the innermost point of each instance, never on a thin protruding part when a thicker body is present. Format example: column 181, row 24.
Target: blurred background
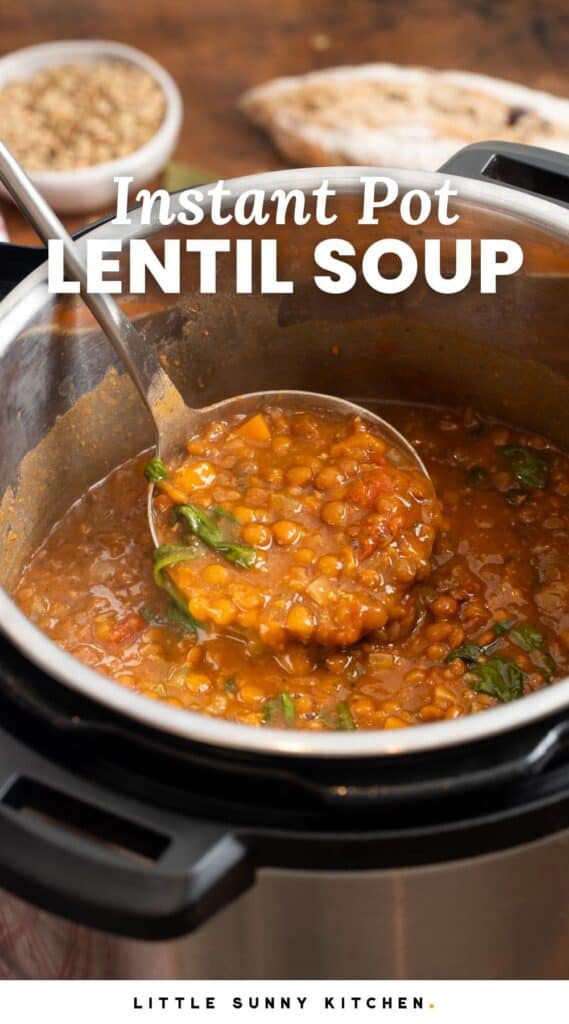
column 216, row 49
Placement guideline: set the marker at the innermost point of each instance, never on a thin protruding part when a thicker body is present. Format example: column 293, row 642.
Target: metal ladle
column 174, row 421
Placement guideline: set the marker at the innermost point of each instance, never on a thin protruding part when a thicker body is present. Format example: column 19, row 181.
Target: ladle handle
column 139, row 360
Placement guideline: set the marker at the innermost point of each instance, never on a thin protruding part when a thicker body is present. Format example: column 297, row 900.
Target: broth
column 489, row 624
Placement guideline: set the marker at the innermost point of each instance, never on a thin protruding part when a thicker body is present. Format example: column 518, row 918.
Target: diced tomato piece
column 374, row 531
column 378, row 458
column 126, row 628
column 163, row 504
column 367, row 489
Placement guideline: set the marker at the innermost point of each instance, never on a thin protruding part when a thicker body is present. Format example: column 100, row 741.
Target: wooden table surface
column 215, row 49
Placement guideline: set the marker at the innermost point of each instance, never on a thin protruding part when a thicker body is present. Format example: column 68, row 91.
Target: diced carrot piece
column 178, row 496
column 255, row 429
column 195, row 475
column 361, row 440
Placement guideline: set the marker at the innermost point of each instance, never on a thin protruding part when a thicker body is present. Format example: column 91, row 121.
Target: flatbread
column 394, row 116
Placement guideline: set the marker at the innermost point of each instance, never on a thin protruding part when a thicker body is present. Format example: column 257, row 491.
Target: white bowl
column 89, row 188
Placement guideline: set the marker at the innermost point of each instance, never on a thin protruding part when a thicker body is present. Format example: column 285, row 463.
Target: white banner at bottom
column 297, row 1002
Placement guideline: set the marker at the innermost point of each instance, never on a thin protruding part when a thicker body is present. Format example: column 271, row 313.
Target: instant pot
column 140, row 841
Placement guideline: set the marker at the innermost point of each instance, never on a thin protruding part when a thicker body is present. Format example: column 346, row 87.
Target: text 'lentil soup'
column 489, row 624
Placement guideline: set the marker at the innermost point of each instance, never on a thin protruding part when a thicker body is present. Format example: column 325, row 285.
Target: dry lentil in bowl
column 490, row 623
column 69, row 116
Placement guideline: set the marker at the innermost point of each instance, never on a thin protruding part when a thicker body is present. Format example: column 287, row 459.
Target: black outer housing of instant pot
column 121, row 827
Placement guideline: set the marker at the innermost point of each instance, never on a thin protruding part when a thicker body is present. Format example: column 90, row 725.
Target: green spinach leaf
column 471, row 652
column 478, row 477
column 203, row 526
column 345, row 717
column 527, row 637
column 528, row 468
column 155, row 470
column 499, row 628
column 498, row 677
column 277, row 707
column 164, row 556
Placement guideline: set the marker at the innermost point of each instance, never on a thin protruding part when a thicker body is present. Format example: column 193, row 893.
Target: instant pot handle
column 108, row 861
column 16, row 262
column 542, row 172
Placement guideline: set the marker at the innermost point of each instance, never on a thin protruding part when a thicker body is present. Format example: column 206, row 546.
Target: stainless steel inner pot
column 69, row 414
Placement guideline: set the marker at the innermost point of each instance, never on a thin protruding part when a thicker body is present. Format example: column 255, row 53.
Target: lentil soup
column 489, row 624
column 293, row 526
